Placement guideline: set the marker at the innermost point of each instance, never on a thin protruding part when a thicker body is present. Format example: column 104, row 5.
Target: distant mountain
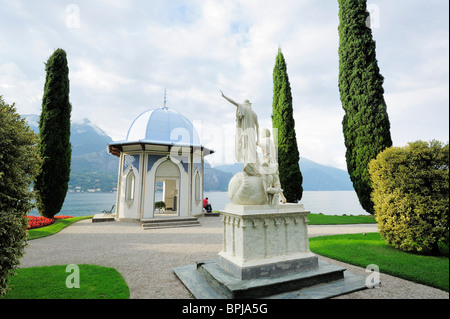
column 316, row 177
column 230, row 168
column 93, row 167
column 85, row 131
column 89, row 149
column 215, row 179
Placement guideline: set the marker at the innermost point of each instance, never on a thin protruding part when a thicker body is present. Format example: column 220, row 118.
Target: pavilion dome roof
column 163, row 126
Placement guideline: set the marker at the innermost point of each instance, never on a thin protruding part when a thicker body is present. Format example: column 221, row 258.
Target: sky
column 123, row 55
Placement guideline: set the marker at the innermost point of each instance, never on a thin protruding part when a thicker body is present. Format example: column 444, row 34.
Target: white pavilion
column 161, row 159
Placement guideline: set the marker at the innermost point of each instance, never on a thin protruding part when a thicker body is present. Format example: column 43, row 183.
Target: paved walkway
column 146, row 257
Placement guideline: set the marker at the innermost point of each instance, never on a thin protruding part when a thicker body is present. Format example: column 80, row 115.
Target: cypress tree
column 282, row 119
column 54, row 133
column 365, row 124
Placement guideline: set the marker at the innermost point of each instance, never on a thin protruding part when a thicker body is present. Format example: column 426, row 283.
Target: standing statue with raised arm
column 254, row 185
column 247, row 136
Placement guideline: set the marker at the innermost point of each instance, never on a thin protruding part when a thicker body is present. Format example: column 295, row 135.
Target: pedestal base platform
column 208, row 280
column 274, row 266
column 266, row 255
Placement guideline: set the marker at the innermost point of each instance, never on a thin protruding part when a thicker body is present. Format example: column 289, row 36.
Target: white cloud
column 17, row 87
column 319, row 134
column 418, row 114
column 86, row 74
column 124, row 53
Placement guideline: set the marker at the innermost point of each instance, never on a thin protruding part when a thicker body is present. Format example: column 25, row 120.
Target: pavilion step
column 169, row 225
column 169, row 222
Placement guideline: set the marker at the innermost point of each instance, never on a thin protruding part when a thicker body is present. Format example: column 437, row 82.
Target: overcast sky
column 123, row 54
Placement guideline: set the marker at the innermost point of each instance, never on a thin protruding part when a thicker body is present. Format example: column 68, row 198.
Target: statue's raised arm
column 228, row 99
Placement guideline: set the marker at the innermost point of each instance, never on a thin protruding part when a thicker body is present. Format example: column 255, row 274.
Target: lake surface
column 325, row 202
column 85, row 204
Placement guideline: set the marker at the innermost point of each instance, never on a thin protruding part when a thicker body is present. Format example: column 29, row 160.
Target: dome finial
column 165, row 99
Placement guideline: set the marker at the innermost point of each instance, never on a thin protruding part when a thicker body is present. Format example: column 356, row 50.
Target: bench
column 109, row 212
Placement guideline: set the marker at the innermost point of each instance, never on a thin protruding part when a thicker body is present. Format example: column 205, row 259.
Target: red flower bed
column 35, row 221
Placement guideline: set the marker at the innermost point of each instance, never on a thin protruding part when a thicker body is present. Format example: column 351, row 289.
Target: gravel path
column 146, row 257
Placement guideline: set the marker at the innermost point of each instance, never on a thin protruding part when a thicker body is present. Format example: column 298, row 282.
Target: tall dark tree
column 366, row 124
column 54, row 132
column 283, row 121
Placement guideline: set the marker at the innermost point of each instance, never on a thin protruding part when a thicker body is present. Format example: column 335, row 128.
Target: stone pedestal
column 263, row 240
column 266, row 255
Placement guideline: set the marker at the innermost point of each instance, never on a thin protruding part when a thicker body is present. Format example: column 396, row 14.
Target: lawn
column 57, row 226
column 314, row 219
column 49, row 282
column 321, row 219
column 357, row 249
column 360, row 250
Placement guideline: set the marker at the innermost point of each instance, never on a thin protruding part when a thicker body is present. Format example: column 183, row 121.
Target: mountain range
column 93, row 168
column 316, row 177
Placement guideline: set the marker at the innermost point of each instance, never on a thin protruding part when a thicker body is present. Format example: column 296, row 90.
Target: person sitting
column 207, row 205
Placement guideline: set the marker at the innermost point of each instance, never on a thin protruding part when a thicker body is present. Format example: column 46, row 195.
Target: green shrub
column 19, row 162
column 410, row 194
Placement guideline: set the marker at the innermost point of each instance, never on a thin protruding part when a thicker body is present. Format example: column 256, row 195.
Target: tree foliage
column 410, row 193
column 54, row 132
column 19, row 162
column 366, row 125
column 283, row 122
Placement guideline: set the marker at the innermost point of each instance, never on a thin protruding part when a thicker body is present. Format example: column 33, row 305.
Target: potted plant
column 160, row 207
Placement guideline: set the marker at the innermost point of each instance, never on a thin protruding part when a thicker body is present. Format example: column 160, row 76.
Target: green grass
column 362, row 251
column 54, row 228
column 49, row 282
column 354, row 249
column 320, row 219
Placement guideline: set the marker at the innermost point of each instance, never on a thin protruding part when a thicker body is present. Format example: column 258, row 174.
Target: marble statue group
column 265, row 251
column 258, row 183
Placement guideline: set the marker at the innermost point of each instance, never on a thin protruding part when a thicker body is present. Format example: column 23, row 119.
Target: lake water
column 85, row 204
column 325, row 202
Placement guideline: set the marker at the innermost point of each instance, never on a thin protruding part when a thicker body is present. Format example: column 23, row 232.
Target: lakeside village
column 78, row 189
column 105, row 188
column 97, row 185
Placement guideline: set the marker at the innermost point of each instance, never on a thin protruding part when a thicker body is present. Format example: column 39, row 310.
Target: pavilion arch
column 169, row 174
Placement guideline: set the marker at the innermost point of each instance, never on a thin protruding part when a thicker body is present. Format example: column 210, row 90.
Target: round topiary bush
column 410, row 193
